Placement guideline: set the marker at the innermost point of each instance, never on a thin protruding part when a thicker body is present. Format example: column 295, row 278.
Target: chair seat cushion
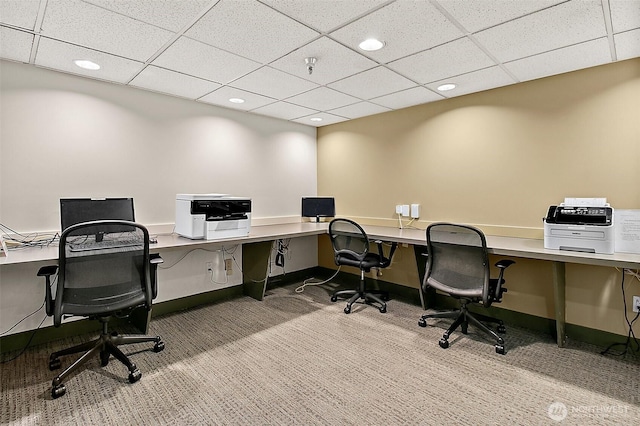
column 371, row 260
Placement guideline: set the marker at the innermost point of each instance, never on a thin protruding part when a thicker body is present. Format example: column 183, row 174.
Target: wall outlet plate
column 636, row 303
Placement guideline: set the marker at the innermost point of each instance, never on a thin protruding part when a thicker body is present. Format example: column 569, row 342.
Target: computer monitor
column 79, row 210
column 318, row 207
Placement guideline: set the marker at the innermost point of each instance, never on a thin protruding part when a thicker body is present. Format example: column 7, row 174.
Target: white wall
column 68, row 136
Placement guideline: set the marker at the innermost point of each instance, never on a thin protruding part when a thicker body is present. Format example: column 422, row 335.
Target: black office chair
column 351, row 248
column 458, row 265
column 110, row 279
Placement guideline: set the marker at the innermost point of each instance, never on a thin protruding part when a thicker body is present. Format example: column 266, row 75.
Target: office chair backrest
column 348, row 238
column 458, row 262
column 110, row 276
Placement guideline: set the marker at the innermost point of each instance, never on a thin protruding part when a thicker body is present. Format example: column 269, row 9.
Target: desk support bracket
column 255, row 267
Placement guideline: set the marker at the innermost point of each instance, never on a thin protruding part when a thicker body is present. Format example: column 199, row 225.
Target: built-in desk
column 518, row 247
column 257, row 246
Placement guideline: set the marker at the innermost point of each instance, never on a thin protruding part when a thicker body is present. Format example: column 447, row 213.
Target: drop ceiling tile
column 563, row 60
column 406, row 27
column 171, row 15
column 204, row 61
column 173, row 83
column 87, row 25
column 284, row 110
column 239, row 27
column 476, row 81
column 334, row 61
column 19, row 13
column 326, row 119
column 457, row 57
column 625, row 14
column 406, row 98
column 324, row 15
column 222, row 95
column 322, row 99
column 372, row 83
column 627, row 44
column 273, row 83
column 565, row 24
column 361, row 109
column 15, row 45
column 60, row 56
column 477, row 15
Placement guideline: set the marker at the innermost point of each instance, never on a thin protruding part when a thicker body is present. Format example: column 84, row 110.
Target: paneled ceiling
column 213, row 50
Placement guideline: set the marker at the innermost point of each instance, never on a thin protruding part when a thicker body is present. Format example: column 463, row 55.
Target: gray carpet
column 297, row 359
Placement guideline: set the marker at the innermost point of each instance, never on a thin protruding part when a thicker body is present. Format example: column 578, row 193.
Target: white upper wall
column 67, row 136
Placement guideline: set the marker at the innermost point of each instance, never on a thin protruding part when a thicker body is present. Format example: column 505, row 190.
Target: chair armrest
column 384, row 258
column 46, row 272
column 502, row 264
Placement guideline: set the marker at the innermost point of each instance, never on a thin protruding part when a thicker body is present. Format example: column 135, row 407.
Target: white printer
column 580, row 225
column 212, row 216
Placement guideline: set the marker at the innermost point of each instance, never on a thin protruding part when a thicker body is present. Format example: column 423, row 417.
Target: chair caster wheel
column 58, row 391
column 501, row 329
column 422, row 322
column 444, row 344
column 104, row 358
column 500, row 349
column 159, row 346
column 334, row 298
column 54, row 364
column 134, row 376
column 383, row 309
column 347, row 310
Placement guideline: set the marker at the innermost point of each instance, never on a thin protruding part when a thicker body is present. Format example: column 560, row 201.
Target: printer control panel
column 221, row 209
column 580, row 215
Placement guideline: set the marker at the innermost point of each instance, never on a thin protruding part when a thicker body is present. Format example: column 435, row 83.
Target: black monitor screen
column 318, row 207
column 78, row 210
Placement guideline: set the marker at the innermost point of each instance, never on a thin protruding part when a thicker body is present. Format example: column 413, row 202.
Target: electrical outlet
column 415, row 211
column 209, row 266
column 228, row 266
column 636, row 303
column 405, row 210
column 399, row 209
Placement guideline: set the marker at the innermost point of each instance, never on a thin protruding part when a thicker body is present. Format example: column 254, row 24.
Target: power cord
column 34, row 331
column 308, row 281
column 628, row 345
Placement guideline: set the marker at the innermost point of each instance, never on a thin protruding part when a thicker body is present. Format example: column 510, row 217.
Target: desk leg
column 559, row 283
column 426, row 300
column 255, row 267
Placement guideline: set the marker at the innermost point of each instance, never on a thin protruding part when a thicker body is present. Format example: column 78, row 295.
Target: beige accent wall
column 498, row 159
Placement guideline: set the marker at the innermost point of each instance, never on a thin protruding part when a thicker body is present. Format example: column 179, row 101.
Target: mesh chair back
column 99, row 278
column 458, row 261
column 348, row 238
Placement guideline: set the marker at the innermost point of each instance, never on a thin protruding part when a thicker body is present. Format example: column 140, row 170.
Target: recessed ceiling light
column 86, row 64
column 371, row 44
column 445, row 87
column 315, row 119
column 236, row 100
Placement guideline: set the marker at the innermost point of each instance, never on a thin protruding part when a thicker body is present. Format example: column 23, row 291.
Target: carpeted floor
column 297, row 359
